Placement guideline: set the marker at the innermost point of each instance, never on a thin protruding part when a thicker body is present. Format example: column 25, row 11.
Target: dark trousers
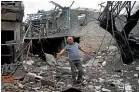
column 76, row 64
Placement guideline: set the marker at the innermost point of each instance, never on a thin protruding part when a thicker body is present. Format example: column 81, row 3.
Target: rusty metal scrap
column 57, row 5
column 8, row 79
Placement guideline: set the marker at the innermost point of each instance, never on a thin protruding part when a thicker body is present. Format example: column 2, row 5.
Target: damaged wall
column 92, row 35
column 49, row 45
column 12, row 13
column 82, row 23
column 15, row 26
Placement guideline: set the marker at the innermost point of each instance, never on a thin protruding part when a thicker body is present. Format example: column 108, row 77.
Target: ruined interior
column 11, row 19
column 6, row 51
column 29, row 49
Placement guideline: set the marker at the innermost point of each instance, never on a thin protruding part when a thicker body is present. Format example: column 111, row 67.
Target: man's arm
column 61, row 52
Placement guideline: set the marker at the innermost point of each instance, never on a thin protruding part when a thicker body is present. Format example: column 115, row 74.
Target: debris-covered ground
column 104, row 72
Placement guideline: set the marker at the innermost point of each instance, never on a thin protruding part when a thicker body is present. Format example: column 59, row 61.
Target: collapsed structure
column 55, row 25
column 12, row 13
column 45, row 33
column 127, row 44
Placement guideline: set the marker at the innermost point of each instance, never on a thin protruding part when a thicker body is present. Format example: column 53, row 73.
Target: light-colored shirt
column 73, row 51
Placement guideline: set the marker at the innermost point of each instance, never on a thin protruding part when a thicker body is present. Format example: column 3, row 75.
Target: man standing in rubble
column 74, row 59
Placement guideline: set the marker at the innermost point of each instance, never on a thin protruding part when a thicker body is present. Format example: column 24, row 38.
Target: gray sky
column 32, row 6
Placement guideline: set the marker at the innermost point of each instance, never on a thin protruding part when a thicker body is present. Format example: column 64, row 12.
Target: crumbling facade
column 12, row 13
column 59, row 23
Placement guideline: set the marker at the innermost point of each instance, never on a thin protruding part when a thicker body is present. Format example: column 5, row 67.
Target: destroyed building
column 12, row 13
column 49, row 29
column 44, row 34
column 127, row 44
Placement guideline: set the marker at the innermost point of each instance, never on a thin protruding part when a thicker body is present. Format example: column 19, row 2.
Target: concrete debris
column 105, row 90
column 63, row 61
column 86, row 58
column 20, row 85
column 128, row 87
column 101, row 80
column 34, row 75
column 137, row 68
column 112, row 48
column 98, row 88
column 136, row 75
column 17, row 70
column 50, row 59
column 29, row 62
column 60, row 84
column 42, row 77
column 104, row 63
column 91, row 87
column 99, row 57
column 96, row 62
column 47, row 82
column 43, row 68
column 89, row 63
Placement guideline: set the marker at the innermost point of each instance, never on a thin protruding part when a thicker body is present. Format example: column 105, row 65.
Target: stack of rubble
column 54, row 75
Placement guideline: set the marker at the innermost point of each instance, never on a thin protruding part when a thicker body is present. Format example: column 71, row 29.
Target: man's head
column 70, row 40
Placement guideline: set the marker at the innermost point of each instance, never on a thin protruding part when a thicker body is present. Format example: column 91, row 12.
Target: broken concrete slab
column 20, row 72
column 50, row 59
column 104, row 63
column 85, row 58
column 101, row 80
column 112, row 48
column 34, row 75
column 29, row 62
column 99, row 57
column 105, row 90
column 128, row 87
column 21, row 85
column 64, row 70
column 16, row 69
column 89, row 63
column 43, row 68
column 47, row 82
column 136, row 75
column 137, row 68
column 96, row 62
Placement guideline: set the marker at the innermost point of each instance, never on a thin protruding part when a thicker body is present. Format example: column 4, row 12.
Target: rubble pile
column 54, row 75
column 105, row 73
column 41, row 76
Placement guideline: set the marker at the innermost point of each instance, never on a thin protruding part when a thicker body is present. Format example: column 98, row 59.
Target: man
column 74, row 59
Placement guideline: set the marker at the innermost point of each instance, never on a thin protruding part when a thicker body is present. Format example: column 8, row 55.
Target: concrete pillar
column 17, row 30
